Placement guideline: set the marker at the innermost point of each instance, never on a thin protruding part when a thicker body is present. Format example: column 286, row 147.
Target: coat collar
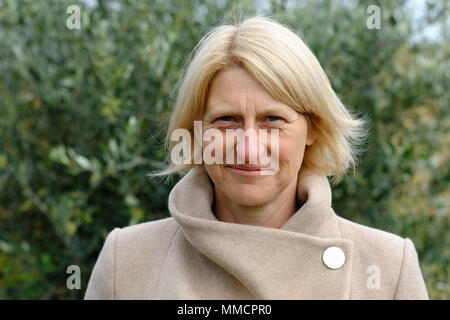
column 283, row 263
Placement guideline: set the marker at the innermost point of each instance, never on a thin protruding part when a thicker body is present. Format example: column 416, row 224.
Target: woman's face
column 237, row 101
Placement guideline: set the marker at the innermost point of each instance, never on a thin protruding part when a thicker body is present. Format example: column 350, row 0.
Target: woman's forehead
column 235, row 90
column 236, row 83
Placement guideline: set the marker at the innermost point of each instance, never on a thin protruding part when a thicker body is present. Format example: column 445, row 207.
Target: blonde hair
column 289, row 72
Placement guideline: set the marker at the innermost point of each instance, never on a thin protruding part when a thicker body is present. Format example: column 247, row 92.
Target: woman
column 236, row 232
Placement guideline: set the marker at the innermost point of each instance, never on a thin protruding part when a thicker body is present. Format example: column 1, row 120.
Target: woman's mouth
column 246, row 170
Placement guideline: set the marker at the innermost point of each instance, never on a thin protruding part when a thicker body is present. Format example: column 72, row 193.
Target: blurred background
column 83, row 113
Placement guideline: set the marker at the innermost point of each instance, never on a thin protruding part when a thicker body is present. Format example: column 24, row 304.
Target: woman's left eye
column 225, row 118
column 273, row 118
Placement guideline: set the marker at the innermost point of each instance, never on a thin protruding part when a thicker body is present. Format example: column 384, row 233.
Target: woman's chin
column 249, row 201
column 248, row 195
column 244, row 189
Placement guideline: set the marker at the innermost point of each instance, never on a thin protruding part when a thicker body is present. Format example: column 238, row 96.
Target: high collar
column 272, row 263
column 193, row 197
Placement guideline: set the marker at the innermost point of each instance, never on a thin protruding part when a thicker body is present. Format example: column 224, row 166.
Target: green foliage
column 83, row 115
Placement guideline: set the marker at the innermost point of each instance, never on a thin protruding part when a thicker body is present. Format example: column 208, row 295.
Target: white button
column 333, row 257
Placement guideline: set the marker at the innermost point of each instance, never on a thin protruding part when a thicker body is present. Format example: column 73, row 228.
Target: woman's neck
column 271, row 215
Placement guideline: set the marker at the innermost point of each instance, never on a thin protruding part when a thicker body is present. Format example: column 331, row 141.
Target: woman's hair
column 289, row 72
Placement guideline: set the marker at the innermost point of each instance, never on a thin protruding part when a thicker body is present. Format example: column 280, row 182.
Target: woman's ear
column 311, row 137
column 312, row 132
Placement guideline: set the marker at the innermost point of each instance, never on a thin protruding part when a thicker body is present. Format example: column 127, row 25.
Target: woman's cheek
column 290, row 152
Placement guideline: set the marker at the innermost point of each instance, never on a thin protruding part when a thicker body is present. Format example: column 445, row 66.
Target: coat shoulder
column 146, row 239
column 374, row 249
column 146, row 231
column 369, row 236
column 386, row 256
column 141, row 251
column 131, row 259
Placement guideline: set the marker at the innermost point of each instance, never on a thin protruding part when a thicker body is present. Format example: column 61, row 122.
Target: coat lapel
column 271, row 263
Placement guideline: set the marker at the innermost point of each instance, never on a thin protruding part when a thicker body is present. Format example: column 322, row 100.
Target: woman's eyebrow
column 287, row 113
column 215, row 113
column 220, row 112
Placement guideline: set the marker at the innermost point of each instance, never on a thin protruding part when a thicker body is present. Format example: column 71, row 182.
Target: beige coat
column 192, row 255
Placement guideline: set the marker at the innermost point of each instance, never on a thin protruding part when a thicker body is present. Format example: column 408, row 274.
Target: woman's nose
column 249, row 147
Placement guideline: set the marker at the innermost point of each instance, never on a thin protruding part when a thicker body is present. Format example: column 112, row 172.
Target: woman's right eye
column 225, row 118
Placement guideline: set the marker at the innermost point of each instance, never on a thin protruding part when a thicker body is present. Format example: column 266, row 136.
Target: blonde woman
column 236, row 231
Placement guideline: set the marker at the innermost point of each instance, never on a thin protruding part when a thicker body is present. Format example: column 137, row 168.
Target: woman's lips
column 246, row 170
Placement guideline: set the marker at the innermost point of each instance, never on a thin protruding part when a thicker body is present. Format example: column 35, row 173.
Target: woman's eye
column 273, row 118
column 225, row 118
